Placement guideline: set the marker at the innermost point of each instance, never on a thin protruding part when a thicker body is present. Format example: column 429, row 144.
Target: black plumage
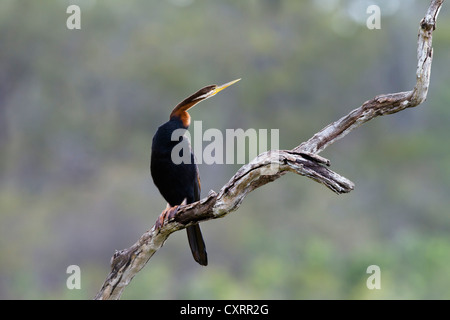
column 177, row 182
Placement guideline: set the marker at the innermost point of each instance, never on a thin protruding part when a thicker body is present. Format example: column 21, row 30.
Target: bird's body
column 180, row 182
column 177, row 182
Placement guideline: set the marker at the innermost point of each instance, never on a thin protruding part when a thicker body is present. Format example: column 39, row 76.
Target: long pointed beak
column 220, row 88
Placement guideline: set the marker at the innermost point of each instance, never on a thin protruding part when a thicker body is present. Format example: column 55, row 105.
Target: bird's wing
column 197, row 185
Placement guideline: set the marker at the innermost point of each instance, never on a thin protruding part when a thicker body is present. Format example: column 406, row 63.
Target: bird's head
column 180, row 111
column 209, row 91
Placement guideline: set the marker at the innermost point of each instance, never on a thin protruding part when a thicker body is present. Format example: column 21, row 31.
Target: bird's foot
column 167, row 215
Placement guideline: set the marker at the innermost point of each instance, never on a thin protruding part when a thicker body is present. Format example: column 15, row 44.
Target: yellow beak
column 220, row 88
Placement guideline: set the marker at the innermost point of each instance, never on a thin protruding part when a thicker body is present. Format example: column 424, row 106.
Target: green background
column 78, row 109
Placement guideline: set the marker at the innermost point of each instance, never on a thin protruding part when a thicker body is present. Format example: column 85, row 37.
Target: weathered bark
column 271, row 165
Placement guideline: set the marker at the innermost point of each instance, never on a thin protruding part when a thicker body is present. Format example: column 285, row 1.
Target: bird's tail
column 197, row 244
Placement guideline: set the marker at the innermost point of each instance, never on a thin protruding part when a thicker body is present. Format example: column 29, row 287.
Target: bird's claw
column 168, row 214
column 165, row 216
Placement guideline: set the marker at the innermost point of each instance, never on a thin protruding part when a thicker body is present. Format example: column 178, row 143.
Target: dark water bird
column 180, row 182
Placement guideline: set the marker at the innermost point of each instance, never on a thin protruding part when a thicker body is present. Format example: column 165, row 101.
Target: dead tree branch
column 271, row 165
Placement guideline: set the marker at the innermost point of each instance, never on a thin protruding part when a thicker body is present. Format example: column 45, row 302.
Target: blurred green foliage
column 78, row 109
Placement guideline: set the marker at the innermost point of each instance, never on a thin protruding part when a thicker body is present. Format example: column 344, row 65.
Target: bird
column 179, row 183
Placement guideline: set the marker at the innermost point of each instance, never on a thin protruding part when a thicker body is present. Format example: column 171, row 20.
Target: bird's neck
column 184, row 117
column 180, row 112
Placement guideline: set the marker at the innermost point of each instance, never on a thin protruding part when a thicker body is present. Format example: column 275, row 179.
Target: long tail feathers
column 197, row 244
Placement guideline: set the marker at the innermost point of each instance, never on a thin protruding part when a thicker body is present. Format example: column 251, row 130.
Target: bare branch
column 385, row 103
column 271, row 165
